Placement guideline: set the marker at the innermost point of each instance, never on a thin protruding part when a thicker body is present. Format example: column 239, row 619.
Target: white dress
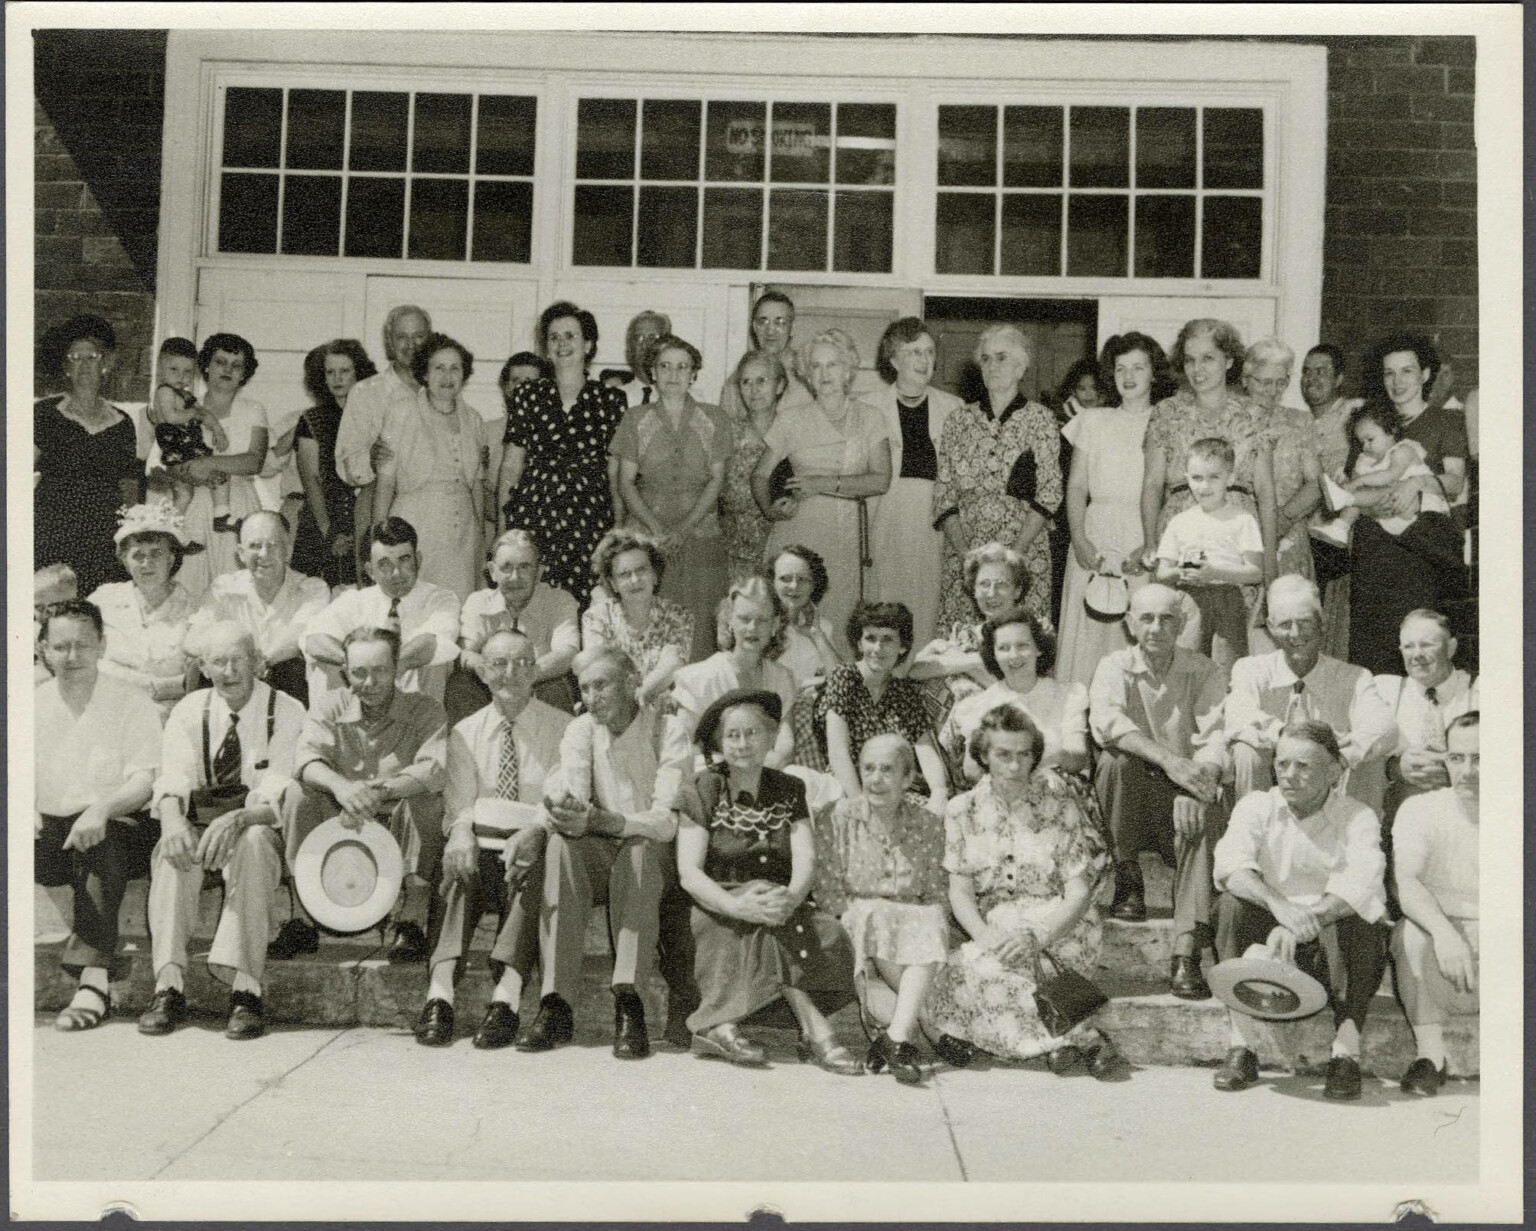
column 1108, row 440
column 197, row 572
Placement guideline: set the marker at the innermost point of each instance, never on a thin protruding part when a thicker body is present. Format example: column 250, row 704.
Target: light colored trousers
column 584, row 872
column 1428, row 996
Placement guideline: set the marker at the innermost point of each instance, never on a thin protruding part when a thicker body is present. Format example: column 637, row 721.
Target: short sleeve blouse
column 900, row 710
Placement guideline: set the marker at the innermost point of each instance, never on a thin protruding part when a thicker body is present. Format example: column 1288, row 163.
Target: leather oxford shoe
column 1343, row 1082
column 1238, row 1071
column 630, row 1042
column 1422, row 1077
column 499, row 1029
column 552, row 1027
column 434, row 1028
column 1185, row 980
column 247, row 1018
column 167, row 1011
column 409, row 943
column 957, row 1053
column 293, row 938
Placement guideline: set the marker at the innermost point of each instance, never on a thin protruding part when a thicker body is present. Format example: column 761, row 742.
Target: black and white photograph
column 870, row 611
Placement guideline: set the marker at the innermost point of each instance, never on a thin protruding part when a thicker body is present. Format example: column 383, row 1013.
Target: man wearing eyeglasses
column 498, row 760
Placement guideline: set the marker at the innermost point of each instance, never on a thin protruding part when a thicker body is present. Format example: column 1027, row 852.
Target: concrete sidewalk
column 369, row 1103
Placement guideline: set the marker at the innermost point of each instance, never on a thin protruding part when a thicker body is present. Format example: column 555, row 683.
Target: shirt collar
column 1018, row 403
column 1140, row 665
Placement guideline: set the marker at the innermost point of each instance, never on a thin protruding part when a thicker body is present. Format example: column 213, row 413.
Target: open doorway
column 1060, row 331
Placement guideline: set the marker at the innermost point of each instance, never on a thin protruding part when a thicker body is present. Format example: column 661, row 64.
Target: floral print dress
column 604, row 622
column 741, row 522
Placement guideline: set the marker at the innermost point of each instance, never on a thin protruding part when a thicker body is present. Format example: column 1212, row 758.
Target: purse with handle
column 1063, row 998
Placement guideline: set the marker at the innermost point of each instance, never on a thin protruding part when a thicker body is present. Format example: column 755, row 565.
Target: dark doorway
column 1060, row 331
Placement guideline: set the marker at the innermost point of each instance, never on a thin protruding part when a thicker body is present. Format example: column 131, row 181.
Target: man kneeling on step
column 1301, row 869
column 226, row 776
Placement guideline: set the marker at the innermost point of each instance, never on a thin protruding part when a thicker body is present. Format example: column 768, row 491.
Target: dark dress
column 77, row 495
column 563, row 497
column 742, row 967
column 311, row 550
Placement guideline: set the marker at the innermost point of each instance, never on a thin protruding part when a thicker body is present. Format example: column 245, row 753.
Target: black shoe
column 169, row 1009
column 409, row 943
column 903, row 1062
column 1422, row 1077
column 955, row 1052
column 1066, row 1061
column 1106, row 1063
column 677, row 1032
column 247, row 1018
column 1238, row 1071
column 434, row 1028
column 878, row 1056
column 293, row 938
column 1130, row 901
column 1343, row 1082
column 1185, row 980
column 499, row 1029
column 630, row 1042
column 552, row 1027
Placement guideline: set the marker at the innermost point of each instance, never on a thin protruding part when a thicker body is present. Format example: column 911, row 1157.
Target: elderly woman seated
column 1022, row 861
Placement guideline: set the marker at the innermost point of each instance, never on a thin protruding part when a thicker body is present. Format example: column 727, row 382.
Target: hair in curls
column 994, row 553
column 230, row 344
column 1044, row 638
column 430, row 346
column 897, row 334
column 670, row 341
column 1220, row 332
column 614, row 544
column 1378, row 411
column 1009, row 718
column 81, row 609
column 1423, row 350
column 584, row 320
column 896, row 616
column 755, row 589
column 813, row 561
column 1164, row 382
column 314, row 367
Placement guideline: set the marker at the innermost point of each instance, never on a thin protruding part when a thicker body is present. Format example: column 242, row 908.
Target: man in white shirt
column 226, row 775
column 498, row 761
column 639, row 339
column 1299, row 681
column 425, row 617
column 610, row 813
column 1300, row 870
column 96, row 754
column 1435, row 945
column 267, row 598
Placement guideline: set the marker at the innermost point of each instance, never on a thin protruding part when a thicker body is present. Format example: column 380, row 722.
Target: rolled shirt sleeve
column 1360, row 882
column 462, row 785
column 1372, row 728
column 318, row 739
column 442, row 621
column 179, row 774
column 1108, row 717
column 429, row 768
column 1245, row 719
column 1239, row 847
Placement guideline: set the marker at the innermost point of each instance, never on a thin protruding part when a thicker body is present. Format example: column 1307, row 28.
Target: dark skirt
column 312, row 551
column 742, row 968
column 1391, row 575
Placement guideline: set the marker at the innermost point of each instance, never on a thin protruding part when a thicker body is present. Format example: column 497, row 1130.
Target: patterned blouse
column 860, row 856
column 989, row 467
column 749, row 835
column 900, row 710
column 1177, row 422
column 604, row 622
column 1030, row 848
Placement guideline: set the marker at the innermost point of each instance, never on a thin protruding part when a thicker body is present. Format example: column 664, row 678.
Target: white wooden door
column 1162, row 318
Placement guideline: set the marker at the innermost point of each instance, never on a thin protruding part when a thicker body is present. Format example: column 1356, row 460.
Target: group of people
column 788, row 683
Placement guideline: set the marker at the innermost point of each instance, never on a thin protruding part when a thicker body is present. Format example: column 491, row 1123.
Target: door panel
column 1162, row 318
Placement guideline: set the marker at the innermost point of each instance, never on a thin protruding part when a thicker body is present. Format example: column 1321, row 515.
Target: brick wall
column 99, row 111
column 1400, row 246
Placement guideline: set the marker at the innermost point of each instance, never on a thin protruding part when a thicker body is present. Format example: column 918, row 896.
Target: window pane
column 733, row 227
column 1032, row 144
column 1231, row 237
column 1234, row 147
column 1101, row 147
column 866, row 143
column 503, row 221
column 669, row 140
column 504, row 135
column 603, row 229
column 669, row 227
column 797, row 229
column 441, row 138
column 605, row 141
column 252, row 127
column 862, row 232
column 968, row 147
column 734, row 149
column 1032, row 234
column 376, row 217
column 316, row 124
column 1165, row 147
column 1096, row 237
column 1165, row 237
column 378, row 131
column 802, row 137
column 312, row 215
column 966, row 226
column 439, row 219
column 248, row 213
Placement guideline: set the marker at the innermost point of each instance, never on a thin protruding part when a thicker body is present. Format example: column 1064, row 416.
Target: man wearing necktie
column 498, row 759
column 221, row 812
column 1298, row 682
column 644, row 328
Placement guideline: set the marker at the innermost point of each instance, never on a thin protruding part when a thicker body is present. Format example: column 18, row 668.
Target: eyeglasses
column 83, row 357
column 500, row 666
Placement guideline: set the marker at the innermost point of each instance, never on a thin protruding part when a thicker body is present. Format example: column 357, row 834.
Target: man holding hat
column 1300, row 869
column 1435, row 945
column 1155, row 710
column 372, row 752
column 499, row 759
column 611, row 837
column 226, row 775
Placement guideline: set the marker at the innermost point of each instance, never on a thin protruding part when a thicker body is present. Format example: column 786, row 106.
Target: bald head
column 265, row 543
column 1156, row 619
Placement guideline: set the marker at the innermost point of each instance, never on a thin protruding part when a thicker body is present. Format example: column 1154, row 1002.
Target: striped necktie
column 506, row 773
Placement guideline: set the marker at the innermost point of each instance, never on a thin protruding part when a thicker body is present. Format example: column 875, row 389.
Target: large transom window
column 377, row 173
column 760, row 185
column 1100, row 191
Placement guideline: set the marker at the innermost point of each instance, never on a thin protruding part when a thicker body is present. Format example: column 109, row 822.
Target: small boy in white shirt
column 1212, row 550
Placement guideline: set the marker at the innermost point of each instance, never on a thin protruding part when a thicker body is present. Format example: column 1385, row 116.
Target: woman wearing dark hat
column 84, row 457
column 748, row 862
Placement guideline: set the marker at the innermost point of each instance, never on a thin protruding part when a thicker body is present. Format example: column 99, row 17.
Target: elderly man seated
column 1435, row 944
column 1300, row 870
column 1299, row 681
column 97, row 750
column 226, row 774
column 423, row 616
column 373, row 752
column 271, row 601
column 611, row 840
column 498, row 760
column 1155, row 711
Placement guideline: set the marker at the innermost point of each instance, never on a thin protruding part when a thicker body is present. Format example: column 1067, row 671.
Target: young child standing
column 179, row 420
column 880, row 864
column 1379, row 456
column 1212, row 550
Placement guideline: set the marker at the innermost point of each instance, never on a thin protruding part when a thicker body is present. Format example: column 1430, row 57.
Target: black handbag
column 1063, row 998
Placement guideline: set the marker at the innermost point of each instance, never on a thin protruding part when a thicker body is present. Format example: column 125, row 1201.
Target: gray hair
column 395, row 313
column 1269, row 350
column 840, row 341
column 1005, row 330
column 604, row 651
column 516, row 537
column 1294, row 585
